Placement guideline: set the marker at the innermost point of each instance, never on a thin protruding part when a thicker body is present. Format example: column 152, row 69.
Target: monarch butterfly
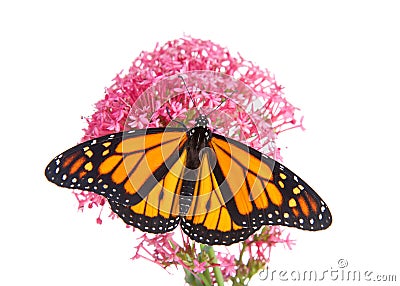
column 219, row 190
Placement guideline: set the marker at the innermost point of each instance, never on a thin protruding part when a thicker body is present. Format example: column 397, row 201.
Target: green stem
column 217, row 271
column 191, row 279
column 205, row 278
column 242, row 252
column 198, row 279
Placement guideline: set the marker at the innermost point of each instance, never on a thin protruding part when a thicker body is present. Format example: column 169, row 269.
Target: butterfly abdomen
column 186, row 196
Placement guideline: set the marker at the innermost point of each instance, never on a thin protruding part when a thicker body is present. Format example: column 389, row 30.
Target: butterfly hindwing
column 208, row 219
column 159, row 211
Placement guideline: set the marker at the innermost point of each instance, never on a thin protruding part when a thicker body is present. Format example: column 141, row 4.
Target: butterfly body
column 219, row 190
column 197, row 141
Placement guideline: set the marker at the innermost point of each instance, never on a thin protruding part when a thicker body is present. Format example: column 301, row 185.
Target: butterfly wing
column 245, row 190
column 139, row 172
column 238, row 189
column 209, row 219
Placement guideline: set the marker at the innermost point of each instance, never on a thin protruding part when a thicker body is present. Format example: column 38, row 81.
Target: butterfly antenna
column 174, row 120
column 190, row 94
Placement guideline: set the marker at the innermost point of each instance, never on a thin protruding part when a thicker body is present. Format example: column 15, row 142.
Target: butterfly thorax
column 198, row 138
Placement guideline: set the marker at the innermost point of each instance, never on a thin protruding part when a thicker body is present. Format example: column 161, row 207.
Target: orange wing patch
column 139, row 157
column 248, row 177
column 163, row 198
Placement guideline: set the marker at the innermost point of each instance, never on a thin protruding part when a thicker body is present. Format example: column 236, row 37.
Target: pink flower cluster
column 254, row 253
column 181, row 56
column 257, row 126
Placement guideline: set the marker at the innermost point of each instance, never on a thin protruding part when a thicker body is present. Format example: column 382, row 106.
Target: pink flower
column 199, row 267
column 176, row 109
column 138, row 119
column 228, row 264
column 243, row 124
column 210, row 101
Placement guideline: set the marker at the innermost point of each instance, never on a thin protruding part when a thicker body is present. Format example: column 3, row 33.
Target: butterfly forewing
column 301, row 207
column 123, row 167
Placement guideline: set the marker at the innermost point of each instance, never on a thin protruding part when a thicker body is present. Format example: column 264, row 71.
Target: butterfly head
column 200, row 131
column 201, row 121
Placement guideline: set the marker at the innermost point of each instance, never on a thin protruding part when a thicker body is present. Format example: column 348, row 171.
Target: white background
column 339, row 62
